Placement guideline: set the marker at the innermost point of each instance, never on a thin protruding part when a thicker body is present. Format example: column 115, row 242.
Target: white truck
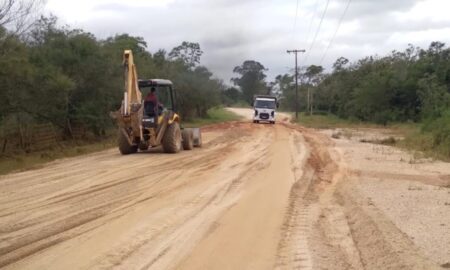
column 265, row 107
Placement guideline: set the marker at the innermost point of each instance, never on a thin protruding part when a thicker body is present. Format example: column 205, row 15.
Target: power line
column 335, row 32
column 296, row 14
column 312, row 19
column 317, row 31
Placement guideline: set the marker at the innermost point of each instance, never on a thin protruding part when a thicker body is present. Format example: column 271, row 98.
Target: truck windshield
column 267, row 104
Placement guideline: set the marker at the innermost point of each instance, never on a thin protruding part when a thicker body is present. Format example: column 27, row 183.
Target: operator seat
column 150, row 119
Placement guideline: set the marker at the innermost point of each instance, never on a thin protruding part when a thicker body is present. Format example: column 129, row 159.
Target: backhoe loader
column 141, row 125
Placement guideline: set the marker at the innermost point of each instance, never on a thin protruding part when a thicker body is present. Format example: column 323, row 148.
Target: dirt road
column 254, row 197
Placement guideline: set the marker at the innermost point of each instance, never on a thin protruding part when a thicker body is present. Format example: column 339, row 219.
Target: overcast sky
column 231, row 31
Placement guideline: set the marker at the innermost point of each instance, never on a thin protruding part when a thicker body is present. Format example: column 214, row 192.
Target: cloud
column 231, row 31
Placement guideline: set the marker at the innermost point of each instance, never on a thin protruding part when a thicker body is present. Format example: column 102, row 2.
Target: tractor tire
column 171, row 141
column 188, row 139
column 124, row 147
column 198, row 138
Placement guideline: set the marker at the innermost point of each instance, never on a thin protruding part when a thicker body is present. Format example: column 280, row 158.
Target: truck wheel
column 124, row 147
column 171, row 141
column 188, row 139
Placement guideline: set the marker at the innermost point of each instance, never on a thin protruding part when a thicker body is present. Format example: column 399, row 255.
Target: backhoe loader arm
column 132, row 94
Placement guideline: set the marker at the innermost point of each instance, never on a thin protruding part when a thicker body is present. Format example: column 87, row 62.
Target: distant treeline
column 58, row 75
column 408, row 86
column 404, row 86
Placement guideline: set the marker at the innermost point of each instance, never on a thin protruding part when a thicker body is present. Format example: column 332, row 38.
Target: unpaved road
column 254, row 197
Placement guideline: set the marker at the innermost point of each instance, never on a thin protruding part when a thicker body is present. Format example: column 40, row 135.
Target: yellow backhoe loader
column 144, row 124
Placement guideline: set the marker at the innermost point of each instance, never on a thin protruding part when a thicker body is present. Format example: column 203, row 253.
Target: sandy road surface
column 254, row 197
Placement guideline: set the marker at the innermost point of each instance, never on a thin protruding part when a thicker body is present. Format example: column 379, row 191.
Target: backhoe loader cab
column 165, row 95
column 144, row 124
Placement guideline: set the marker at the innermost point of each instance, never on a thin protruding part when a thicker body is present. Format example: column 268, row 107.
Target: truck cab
column 264, row 109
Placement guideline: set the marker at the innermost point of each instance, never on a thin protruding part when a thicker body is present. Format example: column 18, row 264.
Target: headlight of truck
column 256, row 113
column 273, row 113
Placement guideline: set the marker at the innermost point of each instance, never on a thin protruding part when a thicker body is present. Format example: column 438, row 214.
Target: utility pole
column 296, row 80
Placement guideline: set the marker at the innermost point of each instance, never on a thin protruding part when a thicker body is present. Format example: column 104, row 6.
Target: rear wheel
column 171, row 141
column 124, row 146
column 198, row 138
column 188, row 139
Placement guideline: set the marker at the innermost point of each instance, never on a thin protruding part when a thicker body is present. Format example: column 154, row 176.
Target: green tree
column 231, row 96
column 313, row 77
column 188, row 53
column 251, row 80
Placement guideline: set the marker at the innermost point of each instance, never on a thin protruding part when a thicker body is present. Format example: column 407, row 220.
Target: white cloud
column 231, row 31
column 84, row 10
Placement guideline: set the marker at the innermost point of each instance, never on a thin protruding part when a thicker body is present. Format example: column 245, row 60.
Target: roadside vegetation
column 214, row 116
column 429, row 138
column 20, row 160
column 410, row 88
column 330, row 121
column 432, row 138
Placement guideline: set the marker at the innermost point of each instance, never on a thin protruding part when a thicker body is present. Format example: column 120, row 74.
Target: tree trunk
column 4, row 145
column 69, row 128
column 308, row 99
column 21, row 140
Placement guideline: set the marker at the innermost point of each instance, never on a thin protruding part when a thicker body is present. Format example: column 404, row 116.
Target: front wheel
column 171, row 141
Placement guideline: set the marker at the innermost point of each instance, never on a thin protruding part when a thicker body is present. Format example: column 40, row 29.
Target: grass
column 27, row 161
column 241, row 104
column 424, row 142
column 215, row 115
column 417, row 139
column 330, row 121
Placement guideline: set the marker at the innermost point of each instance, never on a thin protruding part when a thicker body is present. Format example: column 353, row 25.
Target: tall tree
column 18, row 15
column 313, row 76
column 188, row 52
column 251, row 80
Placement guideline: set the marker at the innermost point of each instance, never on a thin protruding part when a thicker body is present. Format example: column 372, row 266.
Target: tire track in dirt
column 245, row 236
column 330, row 225
column 83, row 208
column 255, row 197
column 313, row 235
